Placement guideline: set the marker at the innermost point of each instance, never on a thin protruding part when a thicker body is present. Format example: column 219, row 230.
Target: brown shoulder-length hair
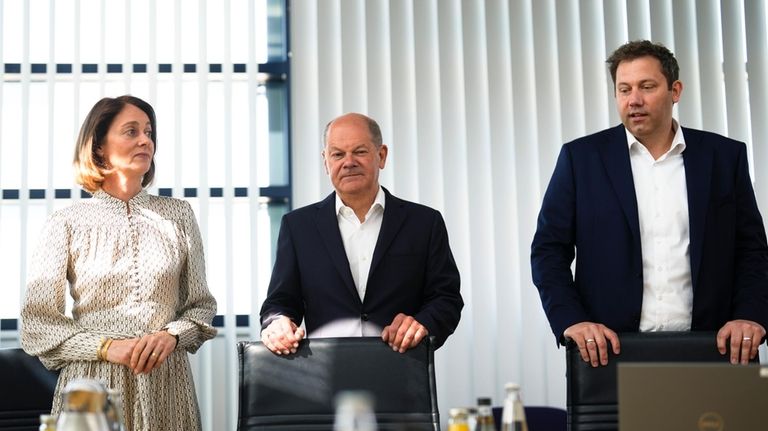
column 89, row 166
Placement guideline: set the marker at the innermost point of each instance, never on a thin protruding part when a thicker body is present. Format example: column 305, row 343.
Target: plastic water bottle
column 485, row 420
column 513, row 415
column 354, row 412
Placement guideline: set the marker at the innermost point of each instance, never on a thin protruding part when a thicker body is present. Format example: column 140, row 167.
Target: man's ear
column 325, row 162
column 383, row 151
column 677, row 91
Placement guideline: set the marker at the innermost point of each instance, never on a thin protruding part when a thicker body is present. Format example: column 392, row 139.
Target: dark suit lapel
column 394, row 215
column 328, row 226
column 615, row 155
column 697, row 158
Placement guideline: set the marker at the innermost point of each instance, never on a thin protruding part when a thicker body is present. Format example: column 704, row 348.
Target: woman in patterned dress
column 133, row 265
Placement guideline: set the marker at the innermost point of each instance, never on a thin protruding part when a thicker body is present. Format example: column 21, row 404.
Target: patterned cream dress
column 131, row 268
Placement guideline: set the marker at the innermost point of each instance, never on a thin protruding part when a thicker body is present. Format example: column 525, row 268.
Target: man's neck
column 659, row 145
column 360, row 203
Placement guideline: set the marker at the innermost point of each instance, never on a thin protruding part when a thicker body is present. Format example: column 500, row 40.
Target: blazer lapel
column 328, row 226
column 697, row 158
column 394, row 216
column 615, row 155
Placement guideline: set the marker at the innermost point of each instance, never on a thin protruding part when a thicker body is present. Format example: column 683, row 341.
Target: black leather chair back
column 592, row 392
column 26, row 390
column 296, row 392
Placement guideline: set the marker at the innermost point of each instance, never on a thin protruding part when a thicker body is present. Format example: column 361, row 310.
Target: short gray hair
column 373, row 129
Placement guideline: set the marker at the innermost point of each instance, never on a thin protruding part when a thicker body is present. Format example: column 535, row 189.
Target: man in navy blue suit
column 661, row 219
column 361, row 262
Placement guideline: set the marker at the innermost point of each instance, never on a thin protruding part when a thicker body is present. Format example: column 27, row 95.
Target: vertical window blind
column 475, row 99
column 216, row 73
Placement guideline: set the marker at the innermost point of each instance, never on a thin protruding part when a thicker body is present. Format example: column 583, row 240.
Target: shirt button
column 364, row 317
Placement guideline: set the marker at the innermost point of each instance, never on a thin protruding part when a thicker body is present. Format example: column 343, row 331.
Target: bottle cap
column 512, row 387
column 458, row 412
column 355, row 398
column 47, row 419
column 485, row 401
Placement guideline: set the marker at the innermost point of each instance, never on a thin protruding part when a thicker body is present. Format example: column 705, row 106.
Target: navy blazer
column 590, row 212
column 412, row 270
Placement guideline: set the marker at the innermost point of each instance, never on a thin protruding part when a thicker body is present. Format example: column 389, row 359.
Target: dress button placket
column 134, row 246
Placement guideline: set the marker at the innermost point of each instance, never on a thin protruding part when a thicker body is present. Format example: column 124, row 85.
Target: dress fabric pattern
column 131, row 268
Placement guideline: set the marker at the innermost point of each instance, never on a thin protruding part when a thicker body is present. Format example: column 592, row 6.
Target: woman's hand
column 144, row 354
column 120, row 351
column 151, row 351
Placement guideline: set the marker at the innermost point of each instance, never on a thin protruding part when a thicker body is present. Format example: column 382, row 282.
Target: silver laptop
column 692, row 397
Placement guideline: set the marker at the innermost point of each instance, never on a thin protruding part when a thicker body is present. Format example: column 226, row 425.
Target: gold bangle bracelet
column 104, row 348
column 98, row 350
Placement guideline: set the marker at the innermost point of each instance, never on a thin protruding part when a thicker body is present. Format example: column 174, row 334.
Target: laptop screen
column 692, row 396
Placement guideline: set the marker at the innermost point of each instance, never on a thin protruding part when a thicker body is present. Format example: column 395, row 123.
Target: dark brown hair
column 645, row 48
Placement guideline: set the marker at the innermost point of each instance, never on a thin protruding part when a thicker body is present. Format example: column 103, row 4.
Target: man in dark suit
column 662, row 221
column 361, row 262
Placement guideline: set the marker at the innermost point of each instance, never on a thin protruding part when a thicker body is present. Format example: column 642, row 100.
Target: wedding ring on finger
column 746, row 339
column 590, row 340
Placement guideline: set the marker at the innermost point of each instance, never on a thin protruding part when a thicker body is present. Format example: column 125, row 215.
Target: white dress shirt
column 359, row 240
column 662, row 207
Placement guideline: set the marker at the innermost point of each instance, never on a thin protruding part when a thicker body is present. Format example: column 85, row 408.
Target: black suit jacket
column 412, row 270
column 590, row 210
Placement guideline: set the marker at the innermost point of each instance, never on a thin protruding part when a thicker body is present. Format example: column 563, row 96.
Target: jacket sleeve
column 284, row 297
column 442, row 302
column 750, row 300
column 553, row 250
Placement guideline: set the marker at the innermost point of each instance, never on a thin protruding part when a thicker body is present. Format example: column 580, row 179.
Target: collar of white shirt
column 377, row 203
column 677, row 147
